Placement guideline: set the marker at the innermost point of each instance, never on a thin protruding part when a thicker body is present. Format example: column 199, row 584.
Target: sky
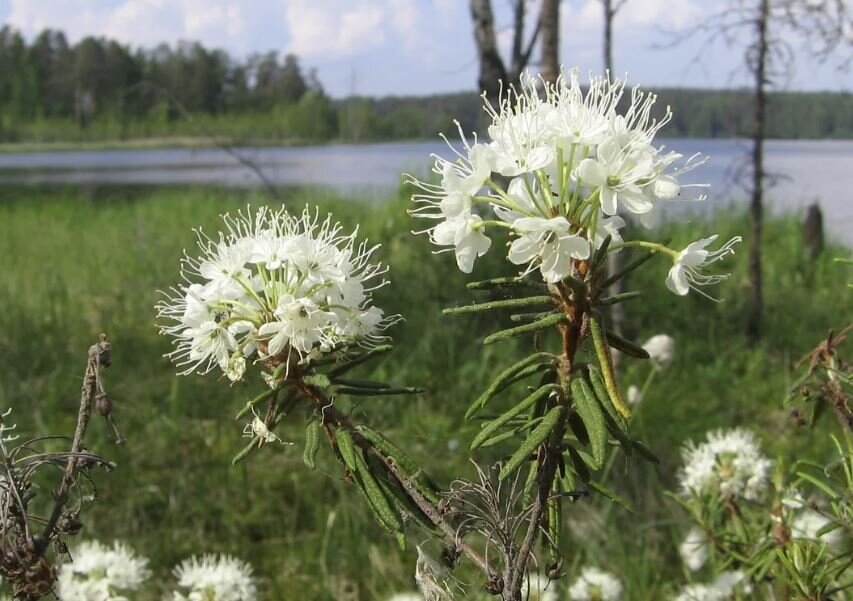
column 413, row 47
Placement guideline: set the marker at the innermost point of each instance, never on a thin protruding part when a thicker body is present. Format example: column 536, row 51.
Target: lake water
column 807, row 171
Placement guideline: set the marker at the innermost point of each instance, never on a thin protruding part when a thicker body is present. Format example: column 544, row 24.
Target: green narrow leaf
column 358, row 359
column 626, row 270
column 389, row 449
column 510, row 303
column 383, row 510
column 528, row 328
column 820, row 484
column 346, row 446
column 579, row 465
column 503, row 379
column 249, row 405
column 360, row 383
column 312, row 441
column 585, row 403
column 534, row 439
column 602, row 351
column 512, row 282
column 601, row 254
column 619, row 298
column 403, row 504
column 644, row 452
column 604, row 399
column 379, row 391
column 422, row 483
column 554, row 525
column 619, row 500
column 496, row 440
column 530, row 481
column 631, row 349
column 490, row 428
column 527, row 317
column 578, row 429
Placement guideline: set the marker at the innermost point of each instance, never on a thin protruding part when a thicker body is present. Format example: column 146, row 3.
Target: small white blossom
column 729, row 463
column 259, row 430
column 688, row 269
column 694, row 549
column 634, row 395
column 661, row 350
column 594, row 584
column 215, row 578
column 808, row 523
column 406, row 597
column 272, row 286
column 97, row 572
column 723, row 588
column 466, row 238
column 548, row 243
column 537, row 587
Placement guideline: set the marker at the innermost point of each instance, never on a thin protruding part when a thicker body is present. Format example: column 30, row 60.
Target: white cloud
column 329, row 28
column 216, row 23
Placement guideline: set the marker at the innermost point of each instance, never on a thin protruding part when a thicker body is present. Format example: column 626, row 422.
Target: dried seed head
column 103, row 404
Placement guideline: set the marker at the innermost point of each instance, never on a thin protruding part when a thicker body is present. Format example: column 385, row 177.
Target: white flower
column 272, row 285
column 619, row 173
column 687, row 270
column 467, row 240
column 548, row 242
column 5, row 427
column 661, row 350
column 730, row 464
column 694, row 549
column 809, row 522
column 634, row 395
column 406, row 597
column 215, row 578
column 608, row 226
column 595, row 585
column 236, row 368
column 723, row 588
column 537, row 587
column 258, row 429
column 522, row 141
column 101, row 573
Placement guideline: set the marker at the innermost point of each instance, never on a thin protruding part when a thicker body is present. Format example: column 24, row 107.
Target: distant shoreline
column 204, row 142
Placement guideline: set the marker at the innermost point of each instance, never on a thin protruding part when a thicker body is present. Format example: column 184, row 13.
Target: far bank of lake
column 800, row 171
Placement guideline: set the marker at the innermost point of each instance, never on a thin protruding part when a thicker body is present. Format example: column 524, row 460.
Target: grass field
column 76, row 263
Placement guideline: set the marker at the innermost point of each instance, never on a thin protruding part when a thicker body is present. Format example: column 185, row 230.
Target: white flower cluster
column 101, row 573
column 694, row 549
column 215, row 578
column 806, row 522
column 594, row 584
column 661, row 350
column 273, row 286
column 729, row 463
column 573, row 162
column 406, row 597
column 723, row 588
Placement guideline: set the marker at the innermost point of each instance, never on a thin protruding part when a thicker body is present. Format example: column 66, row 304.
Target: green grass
column 77, row 263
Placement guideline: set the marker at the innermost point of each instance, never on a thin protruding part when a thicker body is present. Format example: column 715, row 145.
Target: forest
column 101, row 90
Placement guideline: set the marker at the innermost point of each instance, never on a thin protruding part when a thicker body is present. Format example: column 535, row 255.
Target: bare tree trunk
column 614, row 261
column 492, row 70
column 549, row 25
column 609, row 13
column 753, row 324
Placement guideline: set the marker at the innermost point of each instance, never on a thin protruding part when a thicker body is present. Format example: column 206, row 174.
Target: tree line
column 99, row 89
